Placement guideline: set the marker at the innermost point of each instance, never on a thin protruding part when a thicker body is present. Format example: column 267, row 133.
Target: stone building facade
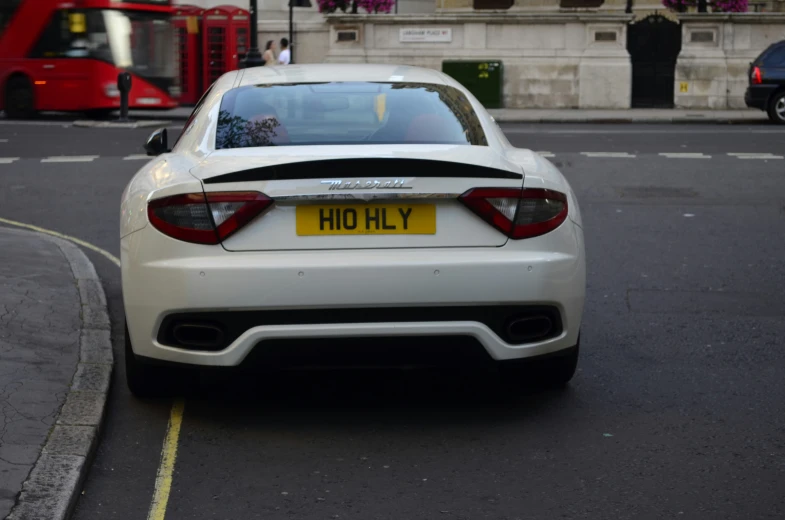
column 553, row 53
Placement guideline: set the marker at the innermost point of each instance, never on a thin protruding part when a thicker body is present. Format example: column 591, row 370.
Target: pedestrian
column 286, row 56
column 269, row 54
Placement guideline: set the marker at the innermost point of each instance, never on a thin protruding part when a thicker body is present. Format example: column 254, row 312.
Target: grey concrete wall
column 550, row 61
column 715, row 70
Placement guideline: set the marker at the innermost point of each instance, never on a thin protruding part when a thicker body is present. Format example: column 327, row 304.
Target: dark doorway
column 654, row 44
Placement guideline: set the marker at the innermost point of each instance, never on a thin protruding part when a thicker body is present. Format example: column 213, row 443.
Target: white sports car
column 347, row 215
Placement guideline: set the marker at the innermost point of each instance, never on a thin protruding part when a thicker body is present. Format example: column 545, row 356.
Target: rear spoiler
column 363, row 168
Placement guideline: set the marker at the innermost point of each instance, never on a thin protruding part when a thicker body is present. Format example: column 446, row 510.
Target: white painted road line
column 70, row 158
column 633, row 129
column 685, row 155
column 3, row 140
column 597, row 155
column 756, row 156
column 608, row 154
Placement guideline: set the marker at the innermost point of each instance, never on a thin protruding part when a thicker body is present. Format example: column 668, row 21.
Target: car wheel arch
column 16, row 75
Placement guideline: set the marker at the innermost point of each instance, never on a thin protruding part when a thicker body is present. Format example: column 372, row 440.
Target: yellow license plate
column 366, row 219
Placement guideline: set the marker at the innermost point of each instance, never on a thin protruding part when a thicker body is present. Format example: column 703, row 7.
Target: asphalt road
column 678, row 410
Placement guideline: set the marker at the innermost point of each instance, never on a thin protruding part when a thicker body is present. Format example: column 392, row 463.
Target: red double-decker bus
column 57, row 55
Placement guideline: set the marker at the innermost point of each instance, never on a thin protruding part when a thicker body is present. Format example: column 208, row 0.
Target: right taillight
column 518, row 213
column 205, row 219
column 756, row 76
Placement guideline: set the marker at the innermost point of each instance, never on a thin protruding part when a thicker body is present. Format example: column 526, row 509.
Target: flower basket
column 370, row 6
column 330, row 6
column 716, row 6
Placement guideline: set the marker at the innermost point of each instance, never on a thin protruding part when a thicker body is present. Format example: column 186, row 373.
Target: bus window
column 142, row 43
column 119, row 36
column 63, row 37
column 7, row 10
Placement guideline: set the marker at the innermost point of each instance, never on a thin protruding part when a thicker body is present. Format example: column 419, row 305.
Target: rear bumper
column 757, row 96
column 360, row 294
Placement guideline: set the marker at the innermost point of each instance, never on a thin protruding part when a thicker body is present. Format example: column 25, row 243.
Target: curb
column 52, row 488
column 117, row 124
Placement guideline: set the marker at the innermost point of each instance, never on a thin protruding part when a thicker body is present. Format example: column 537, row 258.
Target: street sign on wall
column 430, row 35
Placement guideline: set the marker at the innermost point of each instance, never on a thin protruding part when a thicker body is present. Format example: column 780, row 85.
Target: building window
column 580, row 3
column 493, row 4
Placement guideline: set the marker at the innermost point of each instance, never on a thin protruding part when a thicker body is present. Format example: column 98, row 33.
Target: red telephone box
column 225, row 40
column 187, row 22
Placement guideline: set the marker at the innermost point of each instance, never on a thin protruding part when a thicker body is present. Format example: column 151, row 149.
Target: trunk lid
column 361, row 196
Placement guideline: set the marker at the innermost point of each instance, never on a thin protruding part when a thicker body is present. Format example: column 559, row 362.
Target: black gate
column 654, row 44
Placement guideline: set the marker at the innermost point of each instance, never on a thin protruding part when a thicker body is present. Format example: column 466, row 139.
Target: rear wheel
column 148, row 381
column 777, row 108
column 19, row 98
column 553, row 371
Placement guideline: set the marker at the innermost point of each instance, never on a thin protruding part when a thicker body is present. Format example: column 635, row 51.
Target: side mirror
column 157, row 143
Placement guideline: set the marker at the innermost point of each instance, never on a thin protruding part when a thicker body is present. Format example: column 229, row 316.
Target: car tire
column 148, row 381
column 777, row 108
column 553, row 371
column 19, row 98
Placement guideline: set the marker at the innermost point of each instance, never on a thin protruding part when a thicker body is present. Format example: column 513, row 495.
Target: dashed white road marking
column 634, row 130
column 756, row 156
column 685, row 155
column 608, row 154
column 69, row 158
column 3, row 140
column 667, row 155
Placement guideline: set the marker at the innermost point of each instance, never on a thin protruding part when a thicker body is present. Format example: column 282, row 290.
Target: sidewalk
column 55, row 366
column 632, row 115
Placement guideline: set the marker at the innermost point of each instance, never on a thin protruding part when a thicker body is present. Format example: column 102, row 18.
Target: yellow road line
column 163, row 482
column 75, row 240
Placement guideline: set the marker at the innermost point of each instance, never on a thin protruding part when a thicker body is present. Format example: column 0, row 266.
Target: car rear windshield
column 346, row 113
column 774, row 56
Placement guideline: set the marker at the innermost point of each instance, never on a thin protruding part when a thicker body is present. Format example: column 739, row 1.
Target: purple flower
column 330, row 6
column 717, row 6
column 371, row 6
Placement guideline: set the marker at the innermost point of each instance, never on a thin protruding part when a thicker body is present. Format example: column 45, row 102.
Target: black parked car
column 767, row 83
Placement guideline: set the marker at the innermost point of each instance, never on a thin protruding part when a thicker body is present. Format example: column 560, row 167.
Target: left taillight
column 756, row 76
column 517, row 213
column 206, row 219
